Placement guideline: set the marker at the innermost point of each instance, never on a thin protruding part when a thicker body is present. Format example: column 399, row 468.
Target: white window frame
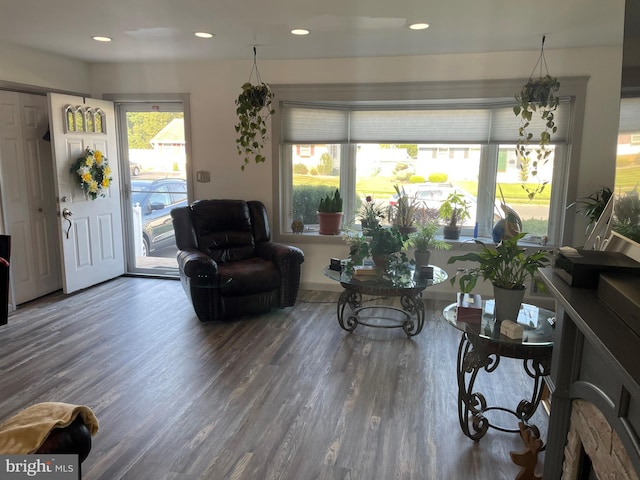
column 565, row 164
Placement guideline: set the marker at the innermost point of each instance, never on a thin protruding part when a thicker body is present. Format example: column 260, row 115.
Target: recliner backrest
column 223, row 229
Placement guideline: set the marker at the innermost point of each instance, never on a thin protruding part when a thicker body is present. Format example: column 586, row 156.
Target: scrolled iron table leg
column 472, row 405
column 352, row 299
column 414, row 306
column 536, row 369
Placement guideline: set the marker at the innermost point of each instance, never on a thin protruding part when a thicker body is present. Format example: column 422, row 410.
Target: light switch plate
column 203, row 176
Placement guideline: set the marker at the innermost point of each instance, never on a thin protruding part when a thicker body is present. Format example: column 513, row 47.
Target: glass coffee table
column 481, row 347
column 407, row 284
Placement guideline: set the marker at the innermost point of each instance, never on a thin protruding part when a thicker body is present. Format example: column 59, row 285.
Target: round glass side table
column 481, row 347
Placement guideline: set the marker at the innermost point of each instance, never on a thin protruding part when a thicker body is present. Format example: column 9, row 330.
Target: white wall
column 32, row 67
column 213, row 87
column 43, row 71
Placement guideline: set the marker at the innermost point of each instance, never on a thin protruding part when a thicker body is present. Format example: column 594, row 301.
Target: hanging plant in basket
column 253, row 107
column 537, row 97
column 93, row 173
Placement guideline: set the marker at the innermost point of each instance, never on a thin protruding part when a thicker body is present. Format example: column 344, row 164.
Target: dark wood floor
column 288, row 395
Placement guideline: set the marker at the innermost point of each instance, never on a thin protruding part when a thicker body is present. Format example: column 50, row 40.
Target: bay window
column 428, row 146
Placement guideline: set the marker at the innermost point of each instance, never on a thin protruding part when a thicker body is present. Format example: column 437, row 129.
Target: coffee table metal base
column 411, row 314
column 476, row 354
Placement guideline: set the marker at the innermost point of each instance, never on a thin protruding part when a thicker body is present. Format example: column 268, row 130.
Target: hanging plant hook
column 541, row 61
column 254, row 68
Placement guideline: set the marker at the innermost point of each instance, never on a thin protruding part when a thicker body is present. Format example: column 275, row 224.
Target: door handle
column 66, row 214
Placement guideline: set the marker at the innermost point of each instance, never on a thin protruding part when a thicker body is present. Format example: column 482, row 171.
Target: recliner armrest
column 278, row 253
column 287, row 260
column 194, row 263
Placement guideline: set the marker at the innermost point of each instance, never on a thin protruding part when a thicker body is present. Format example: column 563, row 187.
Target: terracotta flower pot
column 330, row 223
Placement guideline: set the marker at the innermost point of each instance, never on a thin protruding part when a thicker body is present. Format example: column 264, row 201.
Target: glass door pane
column 153, row 139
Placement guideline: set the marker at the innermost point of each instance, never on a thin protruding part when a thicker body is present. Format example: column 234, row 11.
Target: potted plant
column 423, row 240
column 537, row 96
column 253, row 107
column 370, row 215
column 330, row 213
column 593, row 205
column 403, row 213
column 358, row 245
column 507, row 267
column 454, row 210
column 385, row 242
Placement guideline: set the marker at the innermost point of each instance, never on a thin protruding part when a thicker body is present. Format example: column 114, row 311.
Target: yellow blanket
column 26, row 431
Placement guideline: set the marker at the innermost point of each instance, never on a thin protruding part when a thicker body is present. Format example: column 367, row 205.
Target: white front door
column 90, row 230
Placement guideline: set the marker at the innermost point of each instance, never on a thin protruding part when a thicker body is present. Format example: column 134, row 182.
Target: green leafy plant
column 370, row 214
column 593, row 205
column 507, row 266
column 454, row 209
column 425, row 238
column 253, row 107
column 331, row 204
column 537, row 97
column 404, row 212
column 385, row 241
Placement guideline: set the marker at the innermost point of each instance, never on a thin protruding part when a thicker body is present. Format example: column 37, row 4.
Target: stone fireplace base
column 595, row 387
column 590, row 430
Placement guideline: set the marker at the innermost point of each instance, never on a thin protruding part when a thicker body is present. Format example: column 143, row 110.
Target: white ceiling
column 155, row 30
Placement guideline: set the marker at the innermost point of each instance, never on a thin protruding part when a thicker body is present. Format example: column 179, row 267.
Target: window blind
column 629, row 115
column 303, row 123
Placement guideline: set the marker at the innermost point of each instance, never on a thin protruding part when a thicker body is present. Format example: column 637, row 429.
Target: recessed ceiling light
column 419, row 26
column 300, row 31
column 203, row 34
column 101, row 39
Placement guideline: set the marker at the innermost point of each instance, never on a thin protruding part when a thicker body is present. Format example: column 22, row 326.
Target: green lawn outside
column 381, row 188
column 627, row 178
column 513, row 193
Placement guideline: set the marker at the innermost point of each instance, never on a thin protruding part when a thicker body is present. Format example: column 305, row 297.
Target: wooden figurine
column 527, row 459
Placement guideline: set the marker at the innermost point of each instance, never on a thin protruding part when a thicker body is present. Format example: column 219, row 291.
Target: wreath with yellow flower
column 93, row 173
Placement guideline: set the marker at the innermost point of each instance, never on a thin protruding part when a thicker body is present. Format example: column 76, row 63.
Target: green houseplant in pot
column 385, row 242
column 454, row 210
column 403, row 214
column 507, row 267
column 423, row 240
column 593, row 205
column 253, row 107
column 370, row 215
column 330, row 213
column 537, row 98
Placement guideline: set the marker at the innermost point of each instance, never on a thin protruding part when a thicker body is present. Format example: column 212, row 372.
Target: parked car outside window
column 156, row 199
column 134, row 168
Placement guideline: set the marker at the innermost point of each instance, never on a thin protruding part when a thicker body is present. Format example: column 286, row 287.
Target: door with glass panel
column 153, row 144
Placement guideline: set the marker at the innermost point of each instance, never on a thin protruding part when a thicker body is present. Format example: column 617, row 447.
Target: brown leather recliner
column 229, row 267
